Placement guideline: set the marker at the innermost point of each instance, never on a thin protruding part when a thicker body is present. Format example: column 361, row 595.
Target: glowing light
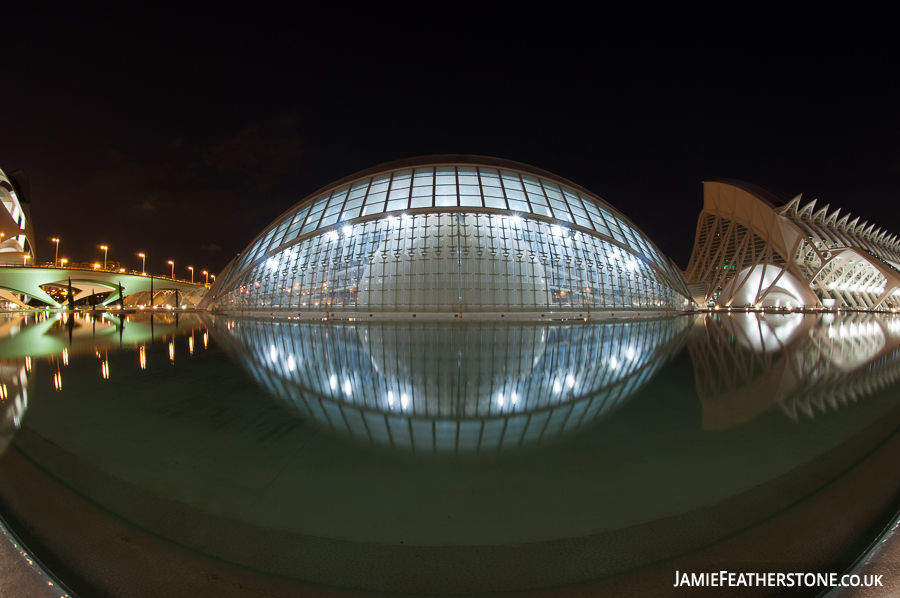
column 332, row 382
column 273, row 353
column 404, row 401
column 500, row 399
column 390, row 398
column 291, row 363
column 143, row 357
column 556, row 230
column 556, row 386
column 348, row 230
column 347, row 388
column 333, row 236
column 172, row 351
column 613, row 363
column 570, row 381
column 630, row 353
column 65, row 356
column 515, row 398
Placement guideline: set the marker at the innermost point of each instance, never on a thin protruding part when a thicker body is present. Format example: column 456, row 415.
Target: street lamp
column 207, row 277
column 105, row 249
column 56, row 259
column 143, row 263
column 171, row 263
column 191, row 268
column 25, row 259
column 63, row 262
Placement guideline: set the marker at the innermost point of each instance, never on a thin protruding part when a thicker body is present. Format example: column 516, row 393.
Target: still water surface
column 445, row 458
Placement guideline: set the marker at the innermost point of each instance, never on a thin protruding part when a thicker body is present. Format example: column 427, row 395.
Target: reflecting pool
column 192, row 454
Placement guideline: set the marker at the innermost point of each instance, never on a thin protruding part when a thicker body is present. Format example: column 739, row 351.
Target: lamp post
column 191, row 268
column 171, row 263
column 25, row 259
column 56, row 259
column 105, row 249
column 143, row 263
column 207, row 277
column 63, row 262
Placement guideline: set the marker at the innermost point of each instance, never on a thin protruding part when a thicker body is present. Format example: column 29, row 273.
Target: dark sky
column 183, row 132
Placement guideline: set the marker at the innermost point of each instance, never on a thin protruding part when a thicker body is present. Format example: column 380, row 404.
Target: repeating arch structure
column 451, row 234
column 758, row 247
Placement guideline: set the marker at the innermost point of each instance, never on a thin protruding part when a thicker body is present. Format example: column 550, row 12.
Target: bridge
column 29, row 280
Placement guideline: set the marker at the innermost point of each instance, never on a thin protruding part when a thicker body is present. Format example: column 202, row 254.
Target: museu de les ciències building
column 760, row 248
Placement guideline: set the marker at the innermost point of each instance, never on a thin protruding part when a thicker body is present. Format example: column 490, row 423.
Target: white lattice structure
column 756, row 247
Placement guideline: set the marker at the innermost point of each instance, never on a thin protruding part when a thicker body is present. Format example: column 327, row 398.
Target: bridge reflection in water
column 452, row 389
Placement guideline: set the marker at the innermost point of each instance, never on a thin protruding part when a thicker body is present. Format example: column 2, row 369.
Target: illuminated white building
column 757, row 247
column 16, row 232
column 451, row 234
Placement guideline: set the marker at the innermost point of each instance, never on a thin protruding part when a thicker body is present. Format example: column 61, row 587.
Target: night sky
column 182, row 133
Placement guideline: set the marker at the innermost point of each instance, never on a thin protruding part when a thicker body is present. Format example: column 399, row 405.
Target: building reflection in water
column 806, row 366
column 452, row 389
column 54, row 337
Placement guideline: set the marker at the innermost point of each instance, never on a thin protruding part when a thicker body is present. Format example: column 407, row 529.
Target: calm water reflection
column 428, row 457
column 452, row 389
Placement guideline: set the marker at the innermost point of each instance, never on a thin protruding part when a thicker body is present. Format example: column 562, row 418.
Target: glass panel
column 338, row 196
column 397, row 204
column 518, row 206
column 359, row 189
column 495, row 202
column 542, row 210
column 375, row 208
column 348, row 214
column 445, row 200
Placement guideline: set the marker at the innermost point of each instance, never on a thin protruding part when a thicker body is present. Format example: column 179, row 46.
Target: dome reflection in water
column 446, row 458
column 450, row 388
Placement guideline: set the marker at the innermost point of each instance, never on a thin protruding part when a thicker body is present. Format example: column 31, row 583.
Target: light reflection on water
column 452, row 389
column 605, row 436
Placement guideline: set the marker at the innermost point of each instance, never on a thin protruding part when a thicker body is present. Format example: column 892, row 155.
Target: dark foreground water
column 205, row 455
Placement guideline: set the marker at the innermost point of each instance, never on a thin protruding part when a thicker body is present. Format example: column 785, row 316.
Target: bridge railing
column 51, row 265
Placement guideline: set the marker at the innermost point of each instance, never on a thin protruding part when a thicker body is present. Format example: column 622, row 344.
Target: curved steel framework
column 437, row 389
column 751, row 251
column 453, row 233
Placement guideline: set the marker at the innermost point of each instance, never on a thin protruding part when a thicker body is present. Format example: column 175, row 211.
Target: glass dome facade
column 451, row 235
